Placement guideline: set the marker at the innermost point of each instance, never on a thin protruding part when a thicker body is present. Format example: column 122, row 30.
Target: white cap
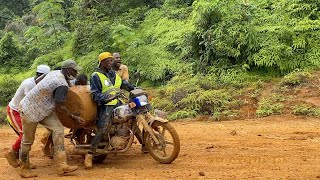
column 44, row 69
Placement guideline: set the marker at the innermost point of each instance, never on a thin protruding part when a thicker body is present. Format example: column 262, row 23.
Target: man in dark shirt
column 104, row 84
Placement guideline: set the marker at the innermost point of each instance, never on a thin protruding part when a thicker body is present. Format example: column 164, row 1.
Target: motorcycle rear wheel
column 169, row 147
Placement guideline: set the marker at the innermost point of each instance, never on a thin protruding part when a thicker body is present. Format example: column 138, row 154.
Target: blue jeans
column 102, row 122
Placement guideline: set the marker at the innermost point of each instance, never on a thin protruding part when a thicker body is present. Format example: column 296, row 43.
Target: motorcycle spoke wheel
column 169, row 143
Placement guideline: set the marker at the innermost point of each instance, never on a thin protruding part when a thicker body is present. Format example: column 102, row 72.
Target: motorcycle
column 159, row 136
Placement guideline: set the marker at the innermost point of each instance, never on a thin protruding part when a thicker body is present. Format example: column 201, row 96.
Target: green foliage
column 50, row 13
column 16, row 27
column 157, row 46
column 306, row 110
column 5, row 16
column 163, row 103
column 182, row 115
column 302, row 110
column 289, row 35
column 88, row 62
column 295, row 78
column 93, row 36
column 191, row 95
column 205, row 52
column 205, row 102
column 279, row 35
column 8, row 85
column 122, row 35
column 3, row 115
column 221, row 36
column 133, row 18
column 268, row 107
column 18, row 7
column 11, row 51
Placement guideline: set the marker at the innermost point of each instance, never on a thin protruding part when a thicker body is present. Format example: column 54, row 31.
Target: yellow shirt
column 123, row 72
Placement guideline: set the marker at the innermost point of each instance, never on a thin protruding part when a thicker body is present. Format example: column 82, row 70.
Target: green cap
column 70, row 63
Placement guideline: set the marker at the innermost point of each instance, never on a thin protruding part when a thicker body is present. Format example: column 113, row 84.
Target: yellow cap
column 104, row 56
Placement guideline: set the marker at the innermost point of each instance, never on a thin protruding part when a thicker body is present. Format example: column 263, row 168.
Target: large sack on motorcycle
column 79, row 102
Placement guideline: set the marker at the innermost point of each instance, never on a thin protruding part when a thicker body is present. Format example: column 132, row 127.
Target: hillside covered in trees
column 201, row 56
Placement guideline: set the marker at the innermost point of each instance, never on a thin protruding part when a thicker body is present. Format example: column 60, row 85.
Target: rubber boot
column 88, row 161
column 61, row 160
column 12, row 159
column 25, row 171
column 32, row 166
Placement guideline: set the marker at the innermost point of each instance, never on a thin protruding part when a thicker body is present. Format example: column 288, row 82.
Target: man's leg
column 48, row 144
column 14, row 120
column 138, row 135
column 29, row 130
column 100, row 123
column 103, row 122
column 52, row 123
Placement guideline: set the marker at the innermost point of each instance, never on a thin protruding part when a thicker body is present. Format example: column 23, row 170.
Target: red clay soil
column 278, row 147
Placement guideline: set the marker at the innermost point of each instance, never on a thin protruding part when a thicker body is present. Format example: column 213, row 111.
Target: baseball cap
column 43, row 69
column 105, row 55
column 70, row 63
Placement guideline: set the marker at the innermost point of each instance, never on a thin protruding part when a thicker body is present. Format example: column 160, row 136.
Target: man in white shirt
column 38, row 106
column 13, row 115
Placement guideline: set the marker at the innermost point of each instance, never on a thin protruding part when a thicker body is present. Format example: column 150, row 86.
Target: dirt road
column 283, row 147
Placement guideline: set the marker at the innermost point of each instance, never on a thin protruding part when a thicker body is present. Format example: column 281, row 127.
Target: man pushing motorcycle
column 104, row 84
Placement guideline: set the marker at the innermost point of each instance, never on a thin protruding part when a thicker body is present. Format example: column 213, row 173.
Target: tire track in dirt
column 279, row 147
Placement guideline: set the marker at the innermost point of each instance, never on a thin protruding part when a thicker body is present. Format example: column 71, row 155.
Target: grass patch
column 295, row 78
column 306, row 110
column 267, row 107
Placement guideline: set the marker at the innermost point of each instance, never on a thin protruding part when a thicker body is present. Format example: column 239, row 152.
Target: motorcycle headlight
column 140, row 100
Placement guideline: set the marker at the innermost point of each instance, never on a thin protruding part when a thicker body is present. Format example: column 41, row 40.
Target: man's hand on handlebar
column 111, row 97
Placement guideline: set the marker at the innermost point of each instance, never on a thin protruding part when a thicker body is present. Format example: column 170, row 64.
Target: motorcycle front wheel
column 169, row 147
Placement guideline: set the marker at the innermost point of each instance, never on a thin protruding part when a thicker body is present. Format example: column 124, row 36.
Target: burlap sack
column 79, row 101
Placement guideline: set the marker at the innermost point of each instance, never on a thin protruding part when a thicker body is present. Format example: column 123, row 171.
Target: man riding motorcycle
column 104, row 84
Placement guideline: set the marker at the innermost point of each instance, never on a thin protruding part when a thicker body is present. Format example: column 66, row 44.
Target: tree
column 11, row 52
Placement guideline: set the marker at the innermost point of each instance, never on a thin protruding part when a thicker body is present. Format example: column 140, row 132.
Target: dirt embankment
column 279, row 147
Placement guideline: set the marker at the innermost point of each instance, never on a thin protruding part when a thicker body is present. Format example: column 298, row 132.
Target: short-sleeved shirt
column 21, row 92
column 123, row 72
column 41, row 100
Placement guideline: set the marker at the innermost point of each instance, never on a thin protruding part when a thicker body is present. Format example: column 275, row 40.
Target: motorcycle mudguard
column 151, row 121
column 156, row 118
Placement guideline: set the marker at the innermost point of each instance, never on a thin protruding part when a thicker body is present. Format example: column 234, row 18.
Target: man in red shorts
column 13, row 115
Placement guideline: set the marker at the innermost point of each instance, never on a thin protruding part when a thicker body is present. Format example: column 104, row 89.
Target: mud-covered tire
column 99, row 158
column 153, row 148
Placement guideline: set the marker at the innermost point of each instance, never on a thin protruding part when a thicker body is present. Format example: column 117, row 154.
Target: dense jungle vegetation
column 200, row 55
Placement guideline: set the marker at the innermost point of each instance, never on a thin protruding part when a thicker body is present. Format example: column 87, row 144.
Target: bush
column 191, row 95
column 8, row 85
column 306, row 110
column 182, row 114
column 295, row 78
column 163, row 104
column 268, row 107
column 11, row 51
column 3, row 115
